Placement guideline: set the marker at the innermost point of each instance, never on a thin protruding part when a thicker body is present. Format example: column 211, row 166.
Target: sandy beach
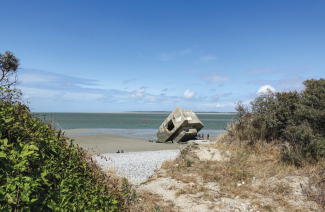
column 112, row 143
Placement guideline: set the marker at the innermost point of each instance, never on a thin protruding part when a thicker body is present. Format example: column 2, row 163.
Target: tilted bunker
column 180, row 125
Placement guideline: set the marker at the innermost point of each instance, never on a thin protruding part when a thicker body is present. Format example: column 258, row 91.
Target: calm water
column 128, row 121
column 128, row 124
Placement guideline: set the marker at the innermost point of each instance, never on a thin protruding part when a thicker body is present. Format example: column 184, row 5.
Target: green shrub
column 296, row 119
column 157, row 209
column 188, row 163
column 41, row 171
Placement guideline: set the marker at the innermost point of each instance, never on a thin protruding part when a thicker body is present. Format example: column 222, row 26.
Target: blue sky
column 109, row 56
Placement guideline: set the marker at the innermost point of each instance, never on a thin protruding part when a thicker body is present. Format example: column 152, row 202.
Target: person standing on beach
column 208, row 136
column 203, row 135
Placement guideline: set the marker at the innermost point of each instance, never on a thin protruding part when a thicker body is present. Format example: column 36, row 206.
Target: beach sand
column 112, row 143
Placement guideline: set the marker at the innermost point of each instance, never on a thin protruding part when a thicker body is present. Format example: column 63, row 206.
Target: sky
column 114, row 56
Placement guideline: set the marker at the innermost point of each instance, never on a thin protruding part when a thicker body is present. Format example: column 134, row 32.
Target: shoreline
column 113, row 143
column 144, row 134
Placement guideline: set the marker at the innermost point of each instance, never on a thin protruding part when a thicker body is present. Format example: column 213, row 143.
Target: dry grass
column 150, row 203
column 268, row 162
column 266, row 179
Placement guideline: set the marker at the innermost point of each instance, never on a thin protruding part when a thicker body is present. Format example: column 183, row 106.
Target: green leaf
column 44, row 173
column 3, row 154
column 5, row 142
column 21, row 164
column 33, row 200
column 26, row 153
column 24, row 197
column 33, row 147
column 9, row 198
column 102, row 189
column 52, row 205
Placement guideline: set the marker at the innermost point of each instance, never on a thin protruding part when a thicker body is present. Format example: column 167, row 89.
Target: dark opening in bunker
column 170, row 126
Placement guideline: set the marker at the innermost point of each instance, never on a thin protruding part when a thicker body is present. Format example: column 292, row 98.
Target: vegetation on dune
column 276, row 142
column 40, row 169
column 294, row 119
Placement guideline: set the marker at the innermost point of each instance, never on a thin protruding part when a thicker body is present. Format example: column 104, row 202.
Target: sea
column 141, row 125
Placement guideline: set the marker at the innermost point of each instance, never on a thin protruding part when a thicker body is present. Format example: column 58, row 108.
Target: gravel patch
column 135, row 166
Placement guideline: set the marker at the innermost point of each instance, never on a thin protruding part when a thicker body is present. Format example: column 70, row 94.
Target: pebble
column 135, row 166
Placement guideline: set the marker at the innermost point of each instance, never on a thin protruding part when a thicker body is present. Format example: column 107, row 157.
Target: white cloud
column 38, row 78
column 265, row 89
column 212, row 78
column 216, row 97
column 61, row 93
column 208, row 58
column 160, row 98
column 138, row 94
column 106, row 98
column 165, row 56
column 188, row 95
column 289, row 84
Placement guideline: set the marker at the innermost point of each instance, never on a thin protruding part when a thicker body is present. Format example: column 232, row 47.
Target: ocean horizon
column 142, row 125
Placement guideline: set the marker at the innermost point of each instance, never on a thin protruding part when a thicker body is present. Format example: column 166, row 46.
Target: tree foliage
column 9, row 65
column 296, row 119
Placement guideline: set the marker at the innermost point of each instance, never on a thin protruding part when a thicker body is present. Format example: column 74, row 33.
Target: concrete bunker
column 180, row 126
column 170, row 125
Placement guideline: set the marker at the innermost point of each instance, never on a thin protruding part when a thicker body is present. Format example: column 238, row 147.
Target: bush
column 296, row 119
column 188, row 163
column 41, row 171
